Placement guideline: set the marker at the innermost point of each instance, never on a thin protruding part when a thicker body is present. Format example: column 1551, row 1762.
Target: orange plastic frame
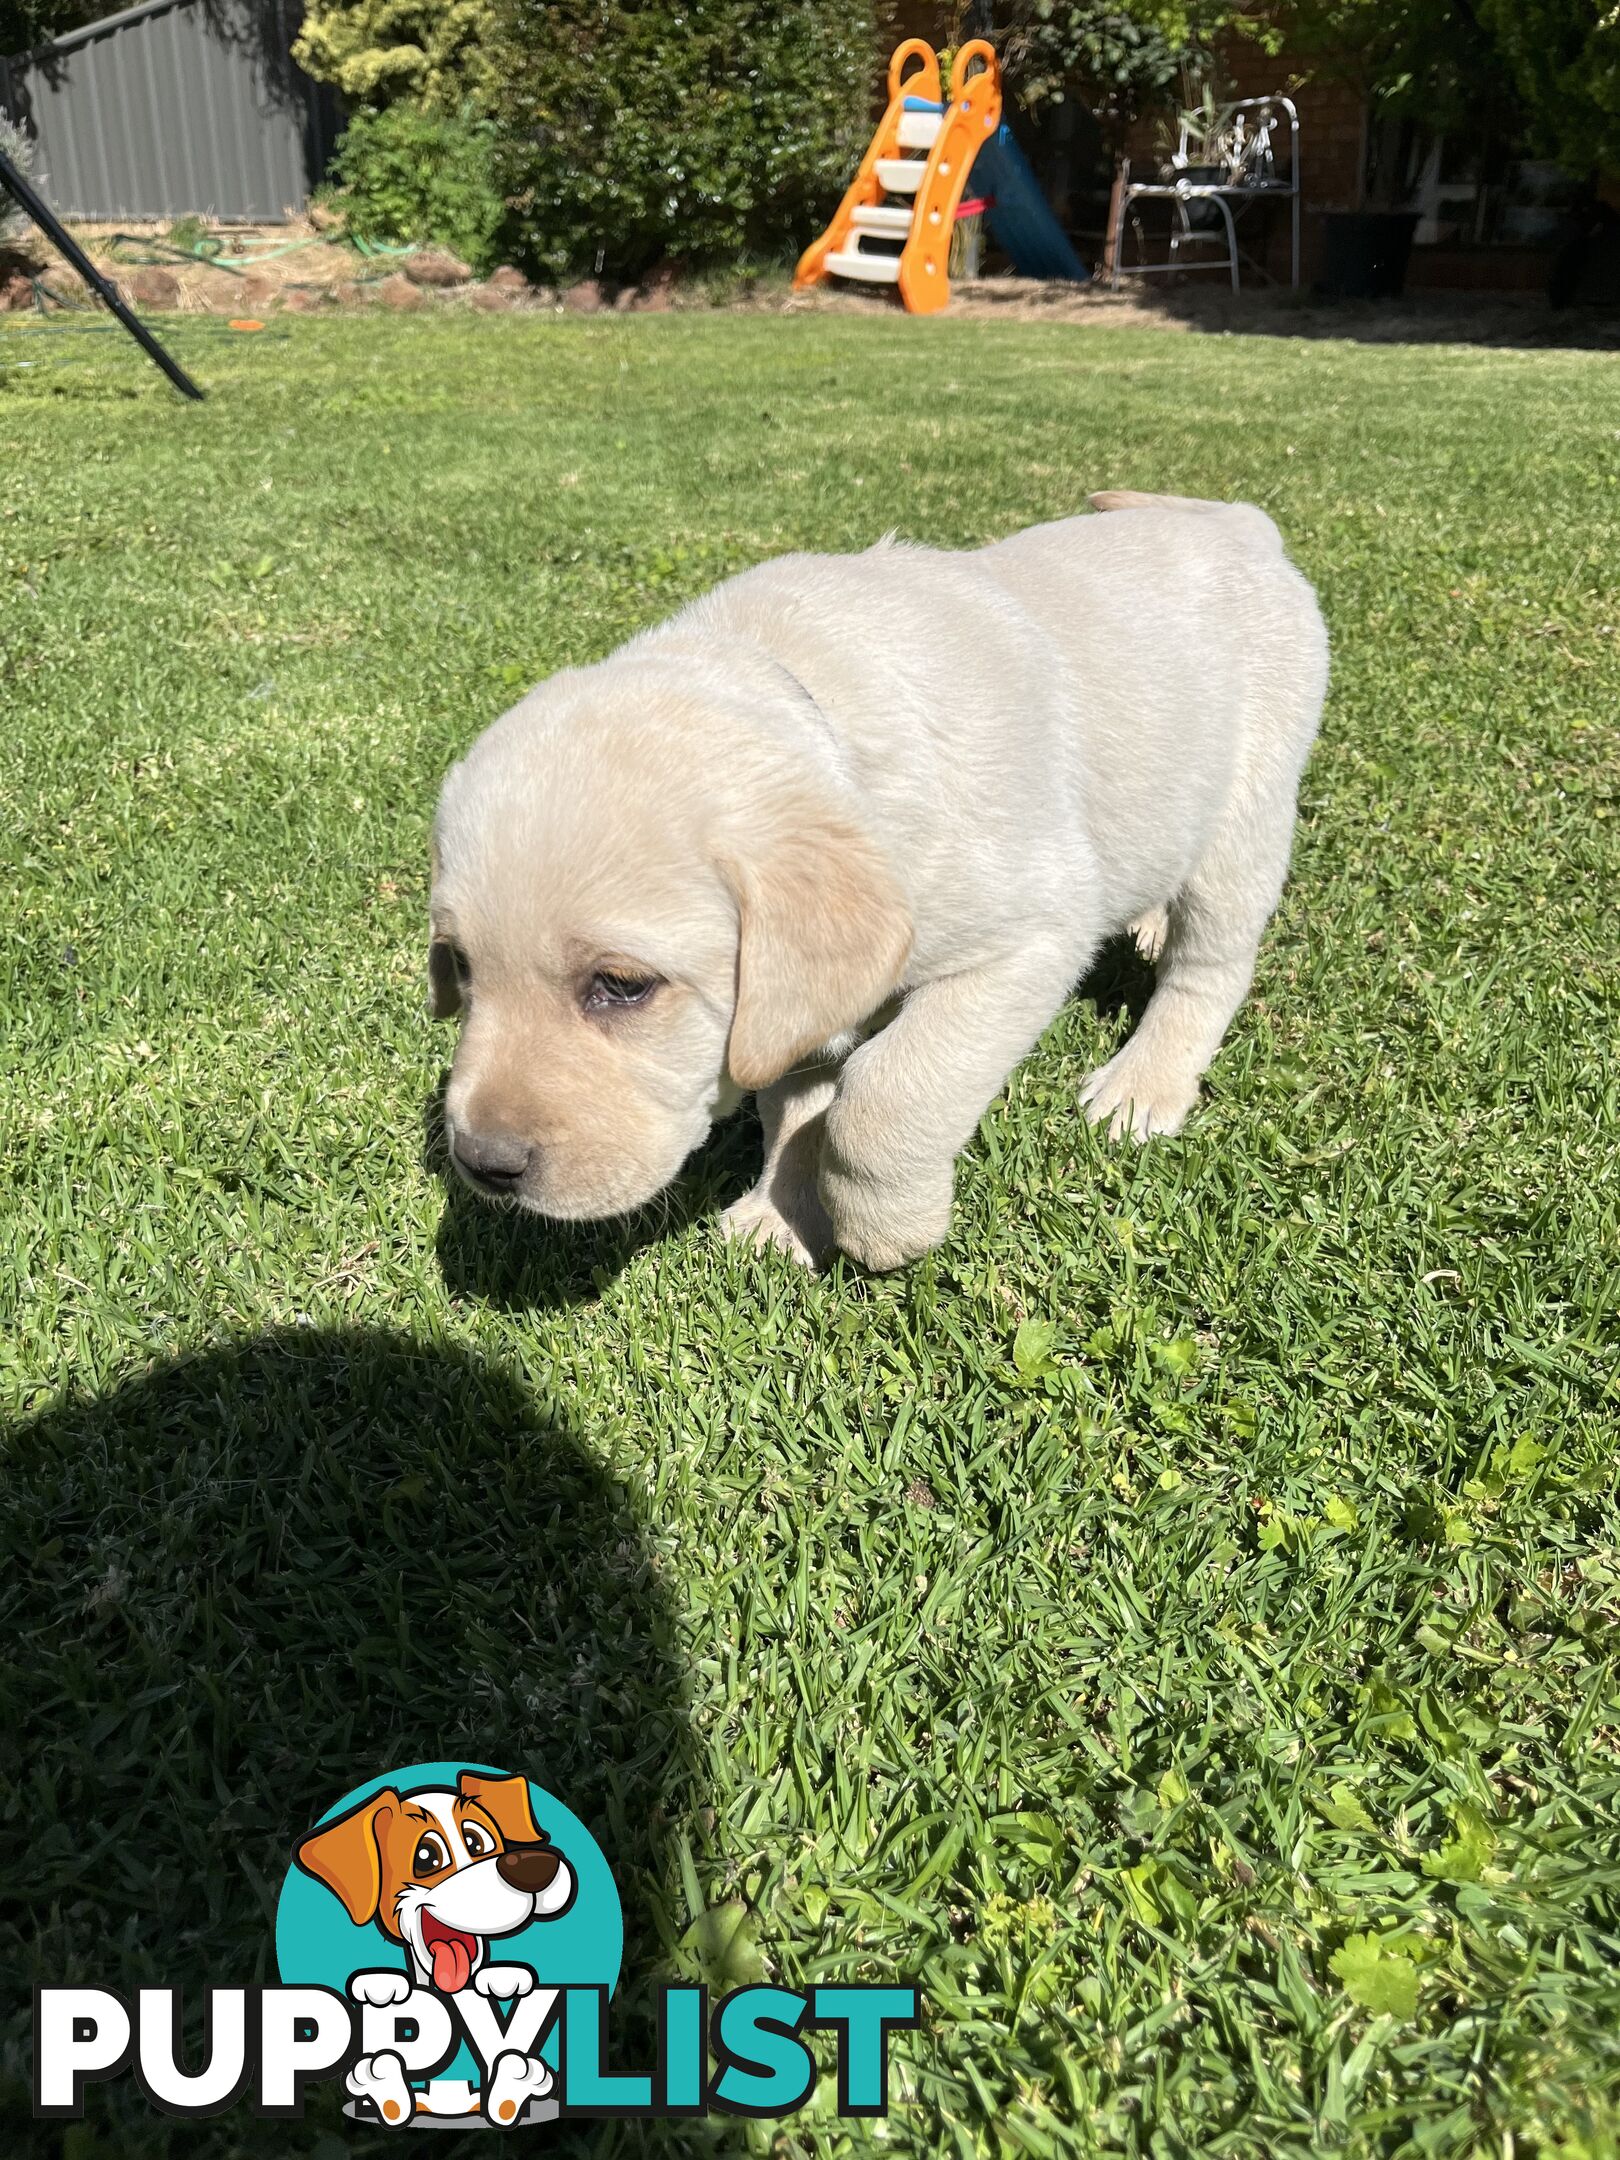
column 971, row 118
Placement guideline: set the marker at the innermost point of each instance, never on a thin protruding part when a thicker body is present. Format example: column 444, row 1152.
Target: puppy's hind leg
column 1217, row 917
column 785, row 1209
column 1204, row 972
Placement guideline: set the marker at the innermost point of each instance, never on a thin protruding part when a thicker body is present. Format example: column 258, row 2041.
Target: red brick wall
column 1331, row 152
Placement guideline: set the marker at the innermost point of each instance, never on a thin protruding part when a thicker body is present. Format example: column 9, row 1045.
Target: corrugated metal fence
column 176, row 108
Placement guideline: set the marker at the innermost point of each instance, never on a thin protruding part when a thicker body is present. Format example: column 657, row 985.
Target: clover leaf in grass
column 721, row 1947
column 1172, row 1789
column 1343, row 1809
column 1466, row 1853
column 1378, row 1976
column 1032, row 1350
column 1242, row 1417
column 1388, row 1712
column 1177, row 1357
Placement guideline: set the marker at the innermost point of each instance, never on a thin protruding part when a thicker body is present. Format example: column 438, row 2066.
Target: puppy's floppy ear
column 505, row 1800
column 346, row 1855
column 444, row 980
column 823, row 938
column 444, row 977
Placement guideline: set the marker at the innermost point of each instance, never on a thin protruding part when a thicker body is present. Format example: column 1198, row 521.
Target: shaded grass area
column 1175, row 1623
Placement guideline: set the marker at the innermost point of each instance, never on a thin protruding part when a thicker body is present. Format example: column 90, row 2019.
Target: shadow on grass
column 1201, row 301
column 239, row 1584
column 1118, row 980
column 524, row 1263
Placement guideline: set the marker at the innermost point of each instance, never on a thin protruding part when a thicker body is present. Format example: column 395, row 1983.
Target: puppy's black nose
column 494, row 1159
column 528, row 1867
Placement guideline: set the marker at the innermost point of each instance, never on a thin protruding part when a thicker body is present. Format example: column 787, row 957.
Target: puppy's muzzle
column 494, row 1160
column 531, row 1868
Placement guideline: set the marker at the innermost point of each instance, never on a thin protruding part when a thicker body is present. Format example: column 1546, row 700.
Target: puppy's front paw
column 881, row 1223
column 379, row 1989
column 518, row 2079
column 381, row 2080
column 802, row 1232
column 1137, row 1099
column 503, row 1982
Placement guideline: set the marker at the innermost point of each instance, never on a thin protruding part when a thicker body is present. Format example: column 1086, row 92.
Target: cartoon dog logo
column 444, row 1872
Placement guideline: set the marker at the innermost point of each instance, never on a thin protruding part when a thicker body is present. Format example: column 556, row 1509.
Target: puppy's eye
column 431, row 1856
column 462, row 966
column 608, row 991
column 475, row 1840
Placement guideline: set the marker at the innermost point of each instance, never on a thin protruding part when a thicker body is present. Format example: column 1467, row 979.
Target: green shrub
column 1563, row 59
column 405, row 175
column 1117, row 62
column 15, row 225
column 701, row 130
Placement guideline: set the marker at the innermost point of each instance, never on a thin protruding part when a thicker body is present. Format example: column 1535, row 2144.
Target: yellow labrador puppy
column 844, row 834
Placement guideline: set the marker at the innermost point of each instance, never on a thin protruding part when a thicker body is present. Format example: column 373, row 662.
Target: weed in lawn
column 1175, row 1622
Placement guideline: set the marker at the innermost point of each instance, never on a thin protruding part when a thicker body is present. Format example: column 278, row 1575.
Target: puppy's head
column 649, row 897
column 443, row 1871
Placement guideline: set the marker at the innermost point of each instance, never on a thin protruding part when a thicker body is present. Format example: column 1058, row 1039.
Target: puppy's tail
column 1129, row 499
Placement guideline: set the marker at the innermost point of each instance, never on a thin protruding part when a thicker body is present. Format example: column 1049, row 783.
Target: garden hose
column 208, row 252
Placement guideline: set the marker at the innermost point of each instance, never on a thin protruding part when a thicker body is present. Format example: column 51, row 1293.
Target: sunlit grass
column 1204, row 1563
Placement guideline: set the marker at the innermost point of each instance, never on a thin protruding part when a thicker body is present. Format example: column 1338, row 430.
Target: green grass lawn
column 1176, row 1623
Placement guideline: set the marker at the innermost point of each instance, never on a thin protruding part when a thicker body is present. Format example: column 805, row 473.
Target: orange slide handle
column 919, row 49
column 979, row 49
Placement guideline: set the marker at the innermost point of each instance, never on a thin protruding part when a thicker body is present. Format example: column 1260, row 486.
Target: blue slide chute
column 1020, row 221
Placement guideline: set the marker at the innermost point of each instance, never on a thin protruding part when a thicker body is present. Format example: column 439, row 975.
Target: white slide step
column 870, row 269
column 919, row 129
column 901, row 175
column 879, row 218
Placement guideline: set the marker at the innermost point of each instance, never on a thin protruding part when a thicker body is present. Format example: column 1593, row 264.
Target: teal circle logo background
column 318, row 1945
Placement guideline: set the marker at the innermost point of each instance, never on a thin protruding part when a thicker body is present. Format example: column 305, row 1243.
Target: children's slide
column 1020, row 222
column 894, row 224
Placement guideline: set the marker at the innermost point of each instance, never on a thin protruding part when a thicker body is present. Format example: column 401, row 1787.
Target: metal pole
column 53, row 228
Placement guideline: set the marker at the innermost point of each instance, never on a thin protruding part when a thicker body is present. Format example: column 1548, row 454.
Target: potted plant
column 1198, row 145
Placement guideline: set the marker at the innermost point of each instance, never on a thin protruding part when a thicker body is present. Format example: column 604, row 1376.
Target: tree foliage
column 1427, row 58
column 27, row 23
column 1564, row 60
column 14, row 224
column 1116, row 61
column 714, row 128
column 425, row 53
column 1118, row 58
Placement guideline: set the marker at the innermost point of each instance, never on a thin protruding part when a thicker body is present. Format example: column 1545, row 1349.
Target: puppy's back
column 1203, row 591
